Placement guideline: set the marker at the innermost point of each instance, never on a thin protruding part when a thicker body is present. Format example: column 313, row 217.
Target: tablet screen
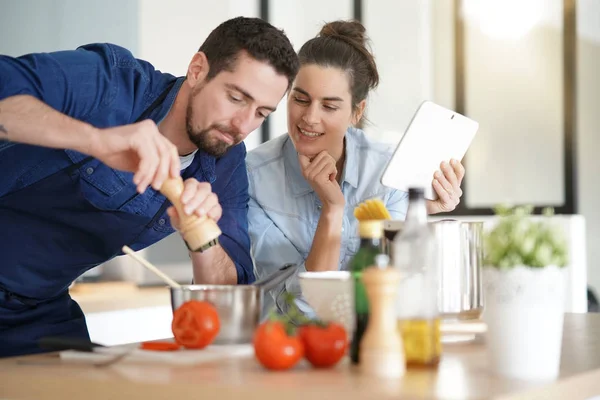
column 435, row 134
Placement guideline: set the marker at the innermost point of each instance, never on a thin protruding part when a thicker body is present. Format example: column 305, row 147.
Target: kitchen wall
column 46, row 25
column 413, row 44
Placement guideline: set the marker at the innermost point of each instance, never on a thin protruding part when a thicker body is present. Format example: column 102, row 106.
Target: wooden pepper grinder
column 199, row 233
column 382, row 349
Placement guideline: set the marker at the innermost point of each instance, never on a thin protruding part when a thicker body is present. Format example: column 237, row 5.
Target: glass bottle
column 414, row 255
column 371, row 236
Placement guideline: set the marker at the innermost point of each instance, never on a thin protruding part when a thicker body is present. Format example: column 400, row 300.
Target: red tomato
column 274, row 348
column 195, row 324
column 324, row 345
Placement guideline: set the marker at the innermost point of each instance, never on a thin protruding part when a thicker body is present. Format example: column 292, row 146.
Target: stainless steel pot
column 460, row 257
column 239, row 306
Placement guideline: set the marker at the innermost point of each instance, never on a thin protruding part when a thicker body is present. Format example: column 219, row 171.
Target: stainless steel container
column 460, row 258
column 239, row 306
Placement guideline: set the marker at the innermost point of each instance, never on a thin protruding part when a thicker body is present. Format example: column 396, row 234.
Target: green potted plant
column 523, row 286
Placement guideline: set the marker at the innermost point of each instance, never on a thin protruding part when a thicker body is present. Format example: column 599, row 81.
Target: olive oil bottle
column 414, row 255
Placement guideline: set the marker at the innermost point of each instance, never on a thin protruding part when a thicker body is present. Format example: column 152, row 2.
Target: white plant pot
column 524, row 312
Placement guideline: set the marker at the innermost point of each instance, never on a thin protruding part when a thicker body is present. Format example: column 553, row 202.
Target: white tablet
column 435, row 134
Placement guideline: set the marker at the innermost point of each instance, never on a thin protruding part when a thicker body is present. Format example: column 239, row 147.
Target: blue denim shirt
column 105, row 85
column 284, row 210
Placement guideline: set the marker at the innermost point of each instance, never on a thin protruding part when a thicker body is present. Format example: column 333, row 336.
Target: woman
column 304, row 185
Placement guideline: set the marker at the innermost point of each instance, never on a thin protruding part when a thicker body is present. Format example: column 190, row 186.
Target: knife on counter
column 60, row 343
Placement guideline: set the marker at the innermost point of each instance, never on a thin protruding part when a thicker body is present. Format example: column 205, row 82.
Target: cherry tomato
column 274, row 348
column 195, row 324
column 160, row 346
column 324, row 346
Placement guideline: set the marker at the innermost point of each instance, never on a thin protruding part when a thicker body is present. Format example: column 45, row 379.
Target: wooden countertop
column 115, row 296
column 462, row 374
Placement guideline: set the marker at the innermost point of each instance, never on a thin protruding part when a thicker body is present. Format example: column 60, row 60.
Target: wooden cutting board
column 178, row 357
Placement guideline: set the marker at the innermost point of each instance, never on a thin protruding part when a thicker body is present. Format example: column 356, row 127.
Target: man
column 126, row 127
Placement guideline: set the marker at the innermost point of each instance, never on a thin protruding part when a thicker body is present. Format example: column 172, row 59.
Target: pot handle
column 271, row 281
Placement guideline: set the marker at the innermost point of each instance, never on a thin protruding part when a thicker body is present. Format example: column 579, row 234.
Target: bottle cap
column 371, row 229
column 415, row 193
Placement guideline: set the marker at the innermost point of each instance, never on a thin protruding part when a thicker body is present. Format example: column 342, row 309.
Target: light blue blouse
column 284, row 210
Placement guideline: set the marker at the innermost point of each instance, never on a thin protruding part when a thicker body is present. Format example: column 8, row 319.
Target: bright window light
column 504, row 19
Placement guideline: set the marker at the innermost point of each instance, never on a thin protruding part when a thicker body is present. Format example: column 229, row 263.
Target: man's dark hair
column 261, row 40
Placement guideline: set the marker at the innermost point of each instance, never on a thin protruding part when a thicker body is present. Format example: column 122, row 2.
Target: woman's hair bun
column 349, row 30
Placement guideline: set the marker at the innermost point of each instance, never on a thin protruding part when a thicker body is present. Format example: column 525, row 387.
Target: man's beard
column 203, row 139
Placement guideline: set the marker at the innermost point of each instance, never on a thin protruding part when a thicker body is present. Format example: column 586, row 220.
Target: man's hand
column 320, row 172
column 447, row 187
column 197, row 198
column 213, row 266
column 139, row 148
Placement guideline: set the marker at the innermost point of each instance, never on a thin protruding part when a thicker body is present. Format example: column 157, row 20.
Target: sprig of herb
column 293, row 317
column 519, row 239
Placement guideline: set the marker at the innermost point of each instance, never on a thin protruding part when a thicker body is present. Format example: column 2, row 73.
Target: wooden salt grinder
column 199, row 233
column 381, row 348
